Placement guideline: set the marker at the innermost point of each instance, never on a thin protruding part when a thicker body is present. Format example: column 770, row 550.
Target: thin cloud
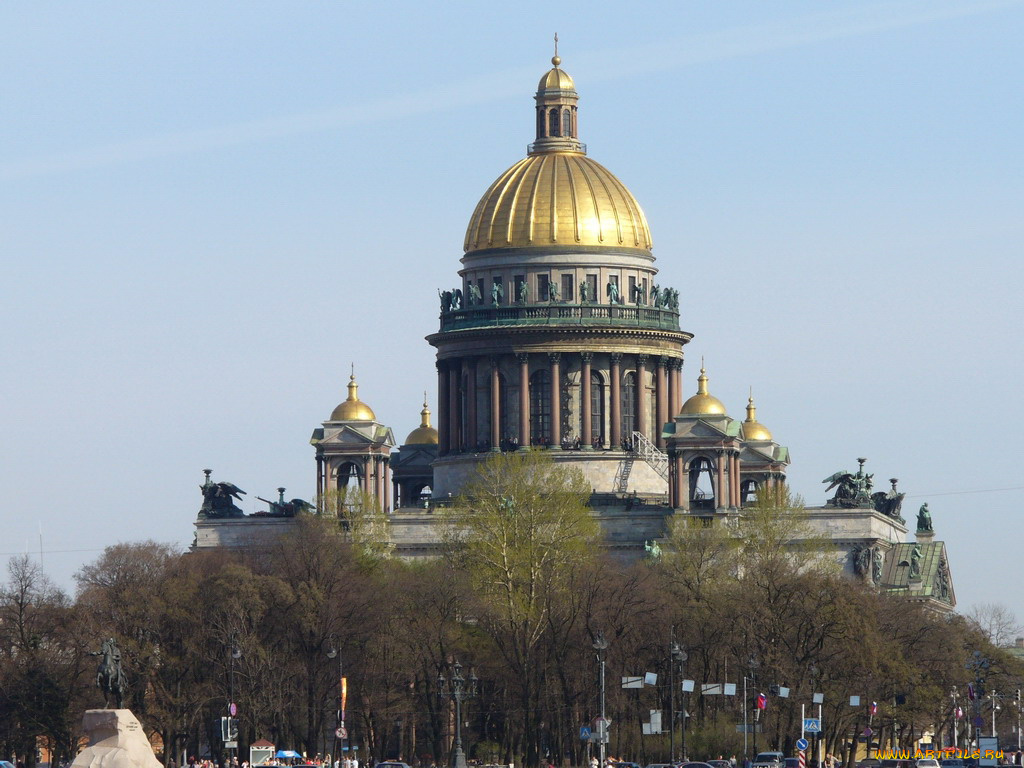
column 676, row 53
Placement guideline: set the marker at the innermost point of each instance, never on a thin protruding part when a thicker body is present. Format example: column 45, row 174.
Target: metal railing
column 650, row 453
column 638, row 316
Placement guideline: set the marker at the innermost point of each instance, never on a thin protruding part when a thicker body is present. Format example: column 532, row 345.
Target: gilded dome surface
column 353, row 409
column 556, row 79
column 557, row 198
column 424, row 434
column 702, row 403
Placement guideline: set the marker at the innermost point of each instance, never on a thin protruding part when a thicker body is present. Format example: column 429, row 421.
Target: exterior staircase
column 621, row 481
column 649, row 452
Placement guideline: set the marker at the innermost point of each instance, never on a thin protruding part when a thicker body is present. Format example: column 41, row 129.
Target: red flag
column 874, row 708
column 959, row 713
column 762, row 701
column 970, row 691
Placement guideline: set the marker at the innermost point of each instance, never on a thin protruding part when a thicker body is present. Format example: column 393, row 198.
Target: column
column 320, row 483
column 682, row 500
column 524, row 401
column 586, row 433
column 555, row 358
column 615, row 406
column 720, row 490
column 378, row 492
column 442, row 409
column 386, row 482
column 472, row 433
column 661, row 402
column 672, row 411
column 454, row 436
column 495, row 406
column 641, row 396
column 677, row 378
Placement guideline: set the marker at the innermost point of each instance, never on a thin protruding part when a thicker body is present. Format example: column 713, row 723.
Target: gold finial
column 353, row 387
column 555, row 59
column 751, row 408
column 702, row 380
column 425, row 413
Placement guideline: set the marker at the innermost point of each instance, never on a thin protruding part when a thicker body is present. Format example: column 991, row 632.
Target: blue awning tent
column 287, row 753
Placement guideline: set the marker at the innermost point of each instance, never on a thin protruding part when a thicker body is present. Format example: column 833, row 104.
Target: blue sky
column 209, row 210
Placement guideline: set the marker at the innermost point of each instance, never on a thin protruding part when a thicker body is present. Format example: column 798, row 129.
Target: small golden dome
column 424, row 434
column 353, row 409
column 556, row 79
column 703, row 404
column 752, row 429
column 562, row 198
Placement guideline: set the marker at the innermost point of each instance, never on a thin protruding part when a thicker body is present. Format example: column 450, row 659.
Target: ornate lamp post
column 235, row 654
column 676, row 655
column 601, row 645
column 457, row 688
column 979, row 665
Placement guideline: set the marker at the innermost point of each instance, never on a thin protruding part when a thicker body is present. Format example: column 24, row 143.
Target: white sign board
column 632, row 682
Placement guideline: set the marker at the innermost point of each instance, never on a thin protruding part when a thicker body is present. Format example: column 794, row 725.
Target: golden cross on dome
column 554, row 59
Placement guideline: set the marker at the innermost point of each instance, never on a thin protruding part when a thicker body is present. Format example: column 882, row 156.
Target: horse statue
column 109, row 675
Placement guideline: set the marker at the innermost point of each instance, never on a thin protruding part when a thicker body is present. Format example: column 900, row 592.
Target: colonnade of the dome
column 573, row 400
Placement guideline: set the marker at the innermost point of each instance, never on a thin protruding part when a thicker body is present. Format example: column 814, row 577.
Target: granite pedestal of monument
column 116, row 740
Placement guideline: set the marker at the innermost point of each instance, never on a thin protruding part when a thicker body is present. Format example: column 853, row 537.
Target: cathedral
column 558, row 336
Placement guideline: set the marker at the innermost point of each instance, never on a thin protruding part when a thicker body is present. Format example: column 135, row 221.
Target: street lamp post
column 676, row 654
column 601, row 645
column 339, row 742
column 979, row 665
column 457, row 688
column 236, row 653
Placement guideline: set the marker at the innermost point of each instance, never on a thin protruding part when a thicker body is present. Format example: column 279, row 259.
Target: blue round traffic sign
column 801, row 744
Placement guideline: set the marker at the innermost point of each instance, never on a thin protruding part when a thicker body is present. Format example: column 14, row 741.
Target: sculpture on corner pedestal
column 852, row 490
column 218, row 499
column 924, row 519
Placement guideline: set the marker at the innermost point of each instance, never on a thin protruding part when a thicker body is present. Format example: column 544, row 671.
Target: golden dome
column 702, row 403
column 556, row 79
column 424, row 434
column 353, row 409
column 752, row 429
column 557, row 198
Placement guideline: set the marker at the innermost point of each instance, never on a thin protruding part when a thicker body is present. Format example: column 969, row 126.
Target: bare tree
column 997, row 621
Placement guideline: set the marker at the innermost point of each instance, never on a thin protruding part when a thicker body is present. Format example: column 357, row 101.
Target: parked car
column 952, row 762
column 719, row 763
column 927, row 762
column 792, row 762
column 769, row 760
column 695, row 765
column 392, row 764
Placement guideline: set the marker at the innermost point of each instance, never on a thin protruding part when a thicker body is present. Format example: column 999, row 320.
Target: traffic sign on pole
column 801, row 744
column 584, row 733
column 812, row 725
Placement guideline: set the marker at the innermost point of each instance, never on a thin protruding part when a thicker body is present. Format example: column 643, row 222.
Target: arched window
column 628, row 406
column 702, row 484
column 553, row 123
column 540, row 406
column 566, row 123
column 540, row 123
column 596, row 409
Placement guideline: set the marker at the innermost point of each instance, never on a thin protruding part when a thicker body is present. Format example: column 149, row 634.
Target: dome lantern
column 557, row 130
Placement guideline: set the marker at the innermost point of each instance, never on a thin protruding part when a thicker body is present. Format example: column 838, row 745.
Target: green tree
column 519, row 531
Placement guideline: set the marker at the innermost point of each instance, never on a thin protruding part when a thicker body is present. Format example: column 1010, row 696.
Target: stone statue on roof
column 915, row 562
column 924, row 519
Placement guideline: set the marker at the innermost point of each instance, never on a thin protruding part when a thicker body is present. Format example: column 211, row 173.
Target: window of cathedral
column 542, row 287
column 540, row 406
column 702, row 484
column 566, row 123
column 518, row 281
column 643, row 286
column 592, row 287
column 483, row 291
column 597, row 409
column 568, row 287
column 628, row 405
column 629, row 298
column 553, row 123
column 540, row 123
